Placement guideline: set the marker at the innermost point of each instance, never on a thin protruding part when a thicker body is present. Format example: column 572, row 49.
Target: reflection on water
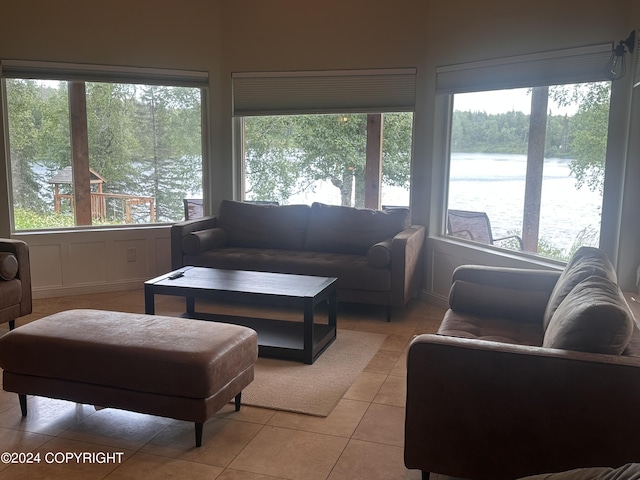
column 495, row 183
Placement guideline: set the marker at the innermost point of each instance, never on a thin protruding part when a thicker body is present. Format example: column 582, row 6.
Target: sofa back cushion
column 586, row 262
column 264, row 226
column 594, row 317
column 351, row 230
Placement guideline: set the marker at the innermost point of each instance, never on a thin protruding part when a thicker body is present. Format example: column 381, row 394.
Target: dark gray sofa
column 375, row 255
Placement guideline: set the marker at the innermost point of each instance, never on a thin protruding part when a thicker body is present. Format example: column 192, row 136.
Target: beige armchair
column 15, row 281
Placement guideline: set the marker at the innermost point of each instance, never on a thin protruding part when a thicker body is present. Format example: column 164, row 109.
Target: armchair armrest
column 487, row 410
column 181, row 229
column 407, row 250
column 21, row 251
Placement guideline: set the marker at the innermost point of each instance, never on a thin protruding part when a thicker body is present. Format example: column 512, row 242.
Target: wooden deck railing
column 99, row 204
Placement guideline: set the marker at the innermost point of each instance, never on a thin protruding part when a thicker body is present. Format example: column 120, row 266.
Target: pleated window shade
column 101, row 73
column 344, row 91
column 574, row 65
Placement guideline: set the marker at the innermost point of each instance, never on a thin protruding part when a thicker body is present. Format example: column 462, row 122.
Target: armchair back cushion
column 594, row 317
column 586, row 262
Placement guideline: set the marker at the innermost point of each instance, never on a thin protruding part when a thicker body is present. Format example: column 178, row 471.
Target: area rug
column 313, row 389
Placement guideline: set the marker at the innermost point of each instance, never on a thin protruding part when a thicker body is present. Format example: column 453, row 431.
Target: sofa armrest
column 487, row 410
column 181, row 229
column 407, row 253
column 21, row 251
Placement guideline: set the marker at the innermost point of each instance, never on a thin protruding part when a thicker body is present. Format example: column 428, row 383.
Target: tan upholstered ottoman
column 171, row 367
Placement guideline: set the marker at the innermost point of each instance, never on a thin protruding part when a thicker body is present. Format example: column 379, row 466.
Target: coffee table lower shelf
column 279, row 338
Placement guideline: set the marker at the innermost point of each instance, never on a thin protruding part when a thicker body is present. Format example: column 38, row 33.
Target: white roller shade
column 102, row 73
column 574, row 65
column 281, row 93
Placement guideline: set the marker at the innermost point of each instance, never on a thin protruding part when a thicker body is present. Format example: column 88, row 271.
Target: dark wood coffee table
column 303, row 341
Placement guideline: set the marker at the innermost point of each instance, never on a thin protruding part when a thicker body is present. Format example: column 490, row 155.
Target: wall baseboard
column 434, row 299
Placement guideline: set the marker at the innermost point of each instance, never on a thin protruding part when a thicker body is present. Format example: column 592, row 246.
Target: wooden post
column 373, row 168
column 535, row 165
column 80, row 153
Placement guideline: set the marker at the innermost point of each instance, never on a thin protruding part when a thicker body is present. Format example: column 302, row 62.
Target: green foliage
column 143, row 140
column 286, row 155
column 26, row 219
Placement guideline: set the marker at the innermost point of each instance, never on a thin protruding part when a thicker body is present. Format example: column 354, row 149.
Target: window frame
column 35, row 70
column 552, row 68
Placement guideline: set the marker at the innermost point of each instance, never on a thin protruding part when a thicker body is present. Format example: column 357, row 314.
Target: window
column 336, row 137
column 527, row 151
column 539, row 178
column 305, row 158
column 101, row 153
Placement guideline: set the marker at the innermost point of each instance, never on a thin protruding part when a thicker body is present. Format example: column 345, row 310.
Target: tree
column 287, row 155
column 588, row 130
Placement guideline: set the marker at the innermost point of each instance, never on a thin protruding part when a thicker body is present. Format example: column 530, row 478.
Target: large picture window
column 527, row 150
column 527, row 166
column 306, row 158
column 101, row 153
column 336, row 137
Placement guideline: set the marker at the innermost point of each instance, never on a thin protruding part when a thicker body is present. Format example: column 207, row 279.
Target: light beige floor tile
column 393, row 392
column 45, row 415
column 117, row 428
column 397, row 342
column 366, row 386
column 383, row 362
column 222, row 440
column 372, row 461
column 19, row 442
column 54, row 464
column 382, row 424
column 342, row 422
column 154, row 467
column 400, row 368
column 291, row 454
column 229, row 474
column 246, row 413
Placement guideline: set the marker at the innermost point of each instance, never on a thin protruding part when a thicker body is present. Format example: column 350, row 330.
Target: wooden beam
column 80, row 153
column 373, row 168
column 535, row 165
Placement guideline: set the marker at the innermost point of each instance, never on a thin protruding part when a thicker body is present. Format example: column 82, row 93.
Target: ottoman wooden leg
column 238, row 398
column 198, row 434
column 23, row 403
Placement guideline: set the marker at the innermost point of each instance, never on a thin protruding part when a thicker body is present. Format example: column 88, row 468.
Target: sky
column 501, row 101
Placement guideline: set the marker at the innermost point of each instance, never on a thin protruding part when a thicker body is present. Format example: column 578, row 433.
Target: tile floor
column 361, row 439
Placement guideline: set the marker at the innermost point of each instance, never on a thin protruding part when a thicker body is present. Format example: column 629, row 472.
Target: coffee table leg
column 149, row 300
column 308, row 331
column 333, row 308
column 191, row 306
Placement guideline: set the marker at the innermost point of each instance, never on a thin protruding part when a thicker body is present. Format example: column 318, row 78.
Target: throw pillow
column 8, row 266
column 594, row 317
column 201, row 240
column 379, row 255
column 587, row 261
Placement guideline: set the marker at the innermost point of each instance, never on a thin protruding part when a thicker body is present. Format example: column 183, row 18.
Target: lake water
column 495, row 183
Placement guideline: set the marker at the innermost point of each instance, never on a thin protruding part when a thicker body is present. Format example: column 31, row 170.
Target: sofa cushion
column 351, row 230
column 264, row 226
column 494, row 329
column 8, row 266
column 586, row 262
column 353, row 271
column 594, row 317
